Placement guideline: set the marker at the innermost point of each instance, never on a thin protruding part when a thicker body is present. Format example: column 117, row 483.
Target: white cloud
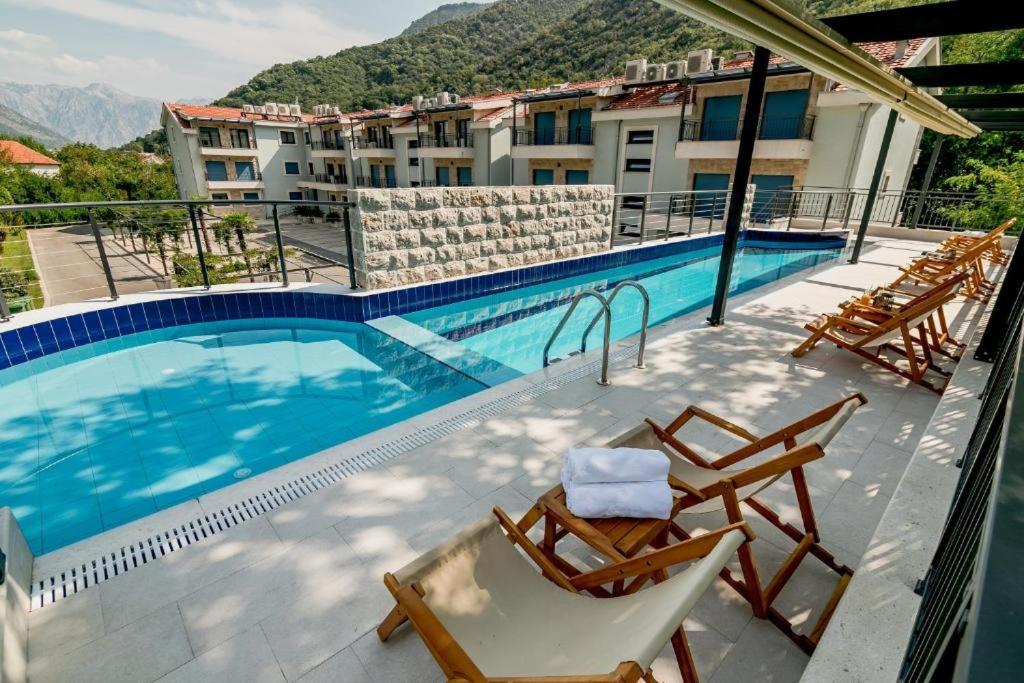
column 23, row 39
column 235, row 31
column 111, row 68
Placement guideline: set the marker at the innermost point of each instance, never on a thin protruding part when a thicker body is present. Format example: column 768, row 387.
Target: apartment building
column 657, row 128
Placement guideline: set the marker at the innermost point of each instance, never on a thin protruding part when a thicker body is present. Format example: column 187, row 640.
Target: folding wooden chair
column 902, row 333
column 965, row 240
column 487, row 614
column 707, row 486
column 936, row 268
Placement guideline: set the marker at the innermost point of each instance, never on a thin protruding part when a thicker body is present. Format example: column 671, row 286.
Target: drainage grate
column 107, row 566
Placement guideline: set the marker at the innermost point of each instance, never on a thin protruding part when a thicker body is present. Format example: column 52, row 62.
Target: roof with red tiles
column 884, row 51
column 184, row 112
column 665, row 95
column 20, row 154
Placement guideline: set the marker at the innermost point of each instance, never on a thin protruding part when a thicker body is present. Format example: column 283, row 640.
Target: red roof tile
column 654, row 96
column 204, row 111
column 20, row 154
column 884, row 51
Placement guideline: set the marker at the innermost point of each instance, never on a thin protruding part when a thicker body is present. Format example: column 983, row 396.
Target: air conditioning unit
column 654, row 72
column 675, row 71
column 455, row 98
column 742, row 55
column 283, row 108
column 260, row 109
column 444, row 99
column 295, row 110
column 248, row 108
column 698, row 61
column 555, row 87
column 717, row 63
column 635, row 70
column 318, row 109
column 336, row 111
column 271, row 108
column 417, row 101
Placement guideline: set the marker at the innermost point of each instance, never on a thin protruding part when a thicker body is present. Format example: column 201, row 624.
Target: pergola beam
column 953, row 75
column 934, row 19
column 995, row 100
column 999, row 127
column 994, row 115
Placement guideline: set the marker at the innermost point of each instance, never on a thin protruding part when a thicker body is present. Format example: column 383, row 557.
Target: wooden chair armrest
column 437, row 638
column 684, row 551
column 580, row 528
column 780, row 464
column 724, row 424
column 530, row 548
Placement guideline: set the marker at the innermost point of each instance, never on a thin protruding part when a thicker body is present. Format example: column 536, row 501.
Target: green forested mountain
column 442, row 14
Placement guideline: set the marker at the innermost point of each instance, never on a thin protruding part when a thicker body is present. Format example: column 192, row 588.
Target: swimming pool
column 512, row 327
column 105, row 433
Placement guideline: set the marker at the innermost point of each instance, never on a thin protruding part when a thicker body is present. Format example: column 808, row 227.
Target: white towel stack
column 617, row 482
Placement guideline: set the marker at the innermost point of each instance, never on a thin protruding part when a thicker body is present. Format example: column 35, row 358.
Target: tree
column 236, row 224
column 1000, row 194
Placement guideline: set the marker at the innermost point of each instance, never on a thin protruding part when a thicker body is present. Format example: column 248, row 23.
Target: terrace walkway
column 296, row 593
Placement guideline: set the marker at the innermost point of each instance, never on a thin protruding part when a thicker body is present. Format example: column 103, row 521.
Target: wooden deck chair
column 719, row 485
column 931, row 270
column 881, row 303
column 487, row 614
column 901, row 333
column 964, row 240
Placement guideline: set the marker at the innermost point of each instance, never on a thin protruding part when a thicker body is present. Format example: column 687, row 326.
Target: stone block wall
column 406, row 236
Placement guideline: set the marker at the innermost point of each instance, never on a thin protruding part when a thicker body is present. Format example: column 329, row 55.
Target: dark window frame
column 646, row 133
column 285, row 134
column 631, row 166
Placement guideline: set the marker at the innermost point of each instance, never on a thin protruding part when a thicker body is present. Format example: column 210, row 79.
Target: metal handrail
column 576, row 299
column 643, row 322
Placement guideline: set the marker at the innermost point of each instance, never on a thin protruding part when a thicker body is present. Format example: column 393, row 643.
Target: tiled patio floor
column 295, row 594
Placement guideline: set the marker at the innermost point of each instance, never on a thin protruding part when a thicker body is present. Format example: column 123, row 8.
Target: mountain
column 455, row 10
column 507, row 44
column 97, row 113
column 15, row 125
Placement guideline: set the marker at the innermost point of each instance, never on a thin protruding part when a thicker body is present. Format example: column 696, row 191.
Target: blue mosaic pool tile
column 206, row 308
column 47, row 339
column 62, row 332
column 195, row 311
column 138, row 315
column 93, row 326
column 30, row 342
column 288, row 307
column 167, row 312
column 12, row 347
column 220, row 309
column 181, row 315
column 109, row 323
column 151, row 309
column 123, row 320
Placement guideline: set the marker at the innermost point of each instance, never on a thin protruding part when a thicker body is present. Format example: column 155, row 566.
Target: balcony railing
column 369, row 181
column 771, row 128
column 578, row 135
column 331, row 179
column 212, row 143
column 251, row 177
column 321, row 145
column 427, row 140
column 363, row 142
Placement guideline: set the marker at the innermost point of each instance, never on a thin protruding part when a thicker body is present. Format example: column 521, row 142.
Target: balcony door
column 442, row 176
column 544, row 128
column 463, row 132
column 216, row 170
column 771, row 195
column 240, row 138
column 579, row 127
column 783, row 115
column 710, row 202
column 244, row 170
column 441, row 133
column 209, row 136
column 389, row 176
column 464, row 175
column 721, row 118
column 375, row 176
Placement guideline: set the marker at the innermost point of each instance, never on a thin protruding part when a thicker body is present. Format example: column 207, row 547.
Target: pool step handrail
column 643, row 323
column 605, row 311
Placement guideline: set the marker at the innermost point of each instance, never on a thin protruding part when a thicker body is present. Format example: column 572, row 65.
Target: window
column 287, row 137
column 311, row 171
column 640, row 137
column 543, row 176
column 330, row 168
column 309, row 140
column 240, row 138
column 294, row 196
column 442, row 176
column 721, row 117
column 250, row 195
column 389, row 176
column 464, row 130
column 219, row 196
column 465, row 176
column 577, row 177
column 414, row 161
column 216, row 170
column 580, row 132
column 244, row 170
column 291, row 168
column 638, row 165
column 209, row 137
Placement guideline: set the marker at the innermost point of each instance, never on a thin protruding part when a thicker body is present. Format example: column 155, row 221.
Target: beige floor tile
column 761, row 654
column 246, row 658
column 52, row 632
column 343, row 667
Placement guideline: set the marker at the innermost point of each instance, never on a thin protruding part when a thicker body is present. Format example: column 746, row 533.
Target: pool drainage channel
column 86, row 574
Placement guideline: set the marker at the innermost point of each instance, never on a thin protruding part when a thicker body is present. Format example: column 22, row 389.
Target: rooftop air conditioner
column 455, row 98
column 698, row 61
column 635, row 71
column 654, row 72
column 417, row 102
column 283, row 108
column 555, row 87
column 336, row 111
column 444, row 99
column 675, row 71
column 260, row 109
column 271, row 108
column 248, row 108
column 718, row 63
column 318, row 109
column 742, row 55
column 296, row 110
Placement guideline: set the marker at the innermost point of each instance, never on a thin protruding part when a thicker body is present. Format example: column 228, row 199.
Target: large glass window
column 544, row 128
column 291, row 168
column 543, row 176
column 580, row 132
column 244, row 170
column 209, row 136
column 783, row 115
column 640, row 137
column 216, row 170
column 295, row 196
column 577, row 177
column 442, row 176
column 287, row 137
column 721, row 118
column 465, row 176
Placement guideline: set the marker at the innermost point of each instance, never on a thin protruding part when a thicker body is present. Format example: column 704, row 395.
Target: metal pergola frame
column 827, row 47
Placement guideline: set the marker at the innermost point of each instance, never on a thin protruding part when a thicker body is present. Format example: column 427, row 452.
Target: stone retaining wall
column 406, row 236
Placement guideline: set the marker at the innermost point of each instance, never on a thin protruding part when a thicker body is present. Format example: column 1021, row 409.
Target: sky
column 184, row 49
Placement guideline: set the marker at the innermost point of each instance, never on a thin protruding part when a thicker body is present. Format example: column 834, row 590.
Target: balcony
column 554, row 143
column 228, row 147
column 246, row 181
column 779, row 137
column 326, row 147
column 369, row 181
column 325, row 181
column 446, row 146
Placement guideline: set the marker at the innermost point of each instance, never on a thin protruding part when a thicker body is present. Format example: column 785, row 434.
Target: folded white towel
column 644, row 499
column 611, row 465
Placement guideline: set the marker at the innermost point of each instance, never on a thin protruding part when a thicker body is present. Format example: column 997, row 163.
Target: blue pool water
column 106, row 433
column 512, row 327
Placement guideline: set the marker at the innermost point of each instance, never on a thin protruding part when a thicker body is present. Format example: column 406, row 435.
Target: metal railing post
column 693, row 210
column 5, row 311
column 347, row 222
column 103, row 255
column 828, row 208
column 850, row 197
column 199, row 246
column 668, row 218
column 616, row 199
column 280, row 246
column 792, row 208
column 643, row 218
column 714, row 210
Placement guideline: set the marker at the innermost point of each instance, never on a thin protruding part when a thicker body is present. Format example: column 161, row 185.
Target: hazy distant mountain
column 97, row 113
column 14, row 124
column 455, row 10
